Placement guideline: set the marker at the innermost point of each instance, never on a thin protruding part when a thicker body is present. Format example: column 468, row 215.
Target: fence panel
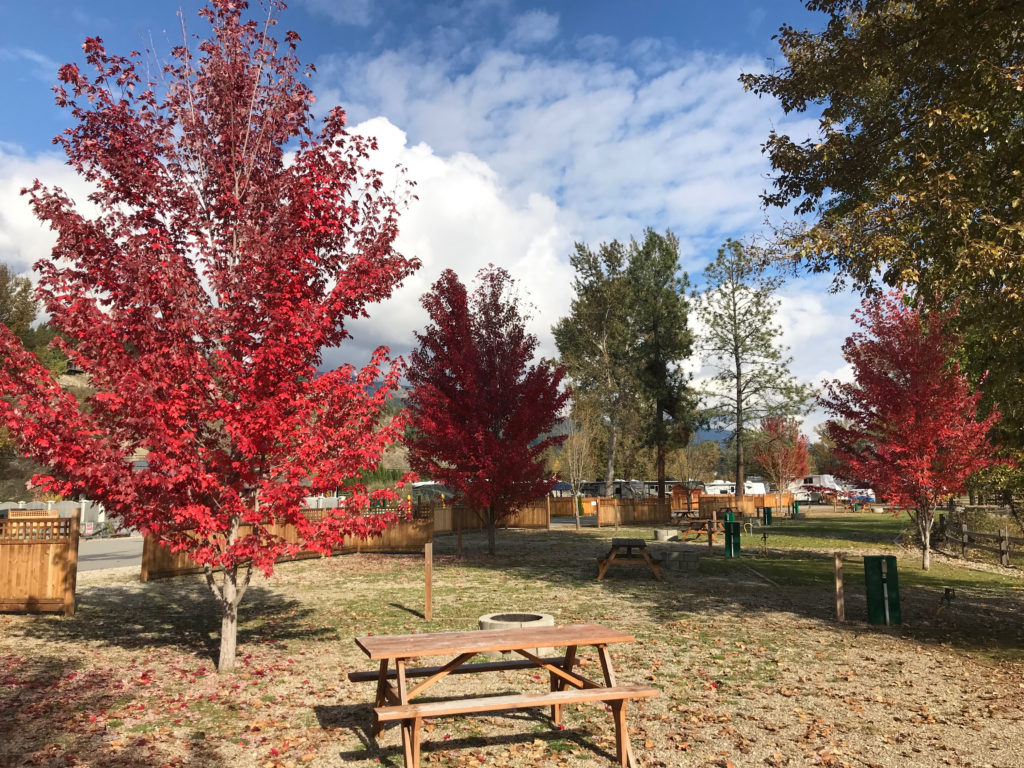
column 534, row 515
column 39, row 564
column 717, row 503
column 159, row 562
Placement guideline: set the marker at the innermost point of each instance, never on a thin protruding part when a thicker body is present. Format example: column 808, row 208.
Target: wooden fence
column 969, row 539
column 159, row 562
column 39, row 563
column 748, row 505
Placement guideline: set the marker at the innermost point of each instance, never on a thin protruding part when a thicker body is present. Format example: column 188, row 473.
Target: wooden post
column 616, row 514
column 144, row 574
column 712, row 524
column 549, row 511
column 428, row 599
column 964, row 542
column 840, row 595
column 1004, row 546
column 71, row 574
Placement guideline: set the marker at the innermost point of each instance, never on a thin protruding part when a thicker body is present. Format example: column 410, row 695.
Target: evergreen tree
column 752, row 379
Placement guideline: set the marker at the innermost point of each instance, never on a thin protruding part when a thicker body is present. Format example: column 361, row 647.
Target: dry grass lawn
column 753, row 669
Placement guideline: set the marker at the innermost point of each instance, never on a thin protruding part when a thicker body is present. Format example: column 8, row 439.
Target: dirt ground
column 753, row 668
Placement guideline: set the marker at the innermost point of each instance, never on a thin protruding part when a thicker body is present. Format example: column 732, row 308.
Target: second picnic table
column 622, row 552
column 395, row 692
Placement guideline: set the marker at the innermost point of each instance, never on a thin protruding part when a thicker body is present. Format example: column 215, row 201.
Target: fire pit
column 515, row 620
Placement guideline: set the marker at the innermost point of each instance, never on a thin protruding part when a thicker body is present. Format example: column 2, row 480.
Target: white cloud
column 40, row 66
column 465, row 219
column 616, row 147
column 23, row 238
column 357, row 13
column 533, row 28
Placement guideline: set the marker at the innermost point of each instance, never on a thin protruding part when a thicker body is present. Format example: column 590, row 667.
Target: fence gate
column 39, row 563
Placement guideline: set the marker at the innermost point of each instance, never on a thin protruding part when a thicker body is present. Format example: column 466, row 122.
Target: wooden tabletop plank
column 485, row 641
column 629, row 543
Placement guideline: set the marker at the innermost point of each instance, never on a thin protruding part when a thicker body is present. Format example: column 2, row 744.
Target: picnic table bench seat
column 466, row 669
column 469, row 706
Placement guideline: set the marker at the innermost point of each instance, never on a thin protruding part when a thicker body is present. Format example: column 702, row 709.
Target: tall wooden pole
column 840, row 596
column 71, row 575
column 428, row 600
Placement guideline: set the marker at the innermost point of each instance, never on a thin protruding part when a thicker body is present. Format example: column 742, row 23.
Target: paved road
column 94, row 554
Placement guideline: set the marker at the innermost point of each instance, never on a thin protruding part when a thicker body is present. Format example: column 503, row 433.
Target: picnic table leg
column 655, row 568
column 382, row 682
column 623, row 749
column 603, row 567
column 558, row 684
column 411, row 741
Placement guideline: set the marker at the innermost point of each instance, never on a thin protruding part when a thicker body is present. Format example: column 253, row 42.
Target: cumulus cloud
column 23, row 239
column 464, row 219
column 532, row 28
column 617, row 146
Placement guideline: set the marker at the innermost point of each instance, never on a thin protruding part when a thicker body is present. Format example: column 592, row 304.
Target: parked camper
column 726, row 487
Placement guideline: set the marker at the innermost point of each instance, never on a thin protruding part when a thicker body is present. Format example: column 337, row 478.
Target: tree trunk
column 491, row 525
column 925, row 519
column 609, row 475
column 661, row 472
column 228, row 595
column 740, row 475
column 228, row 622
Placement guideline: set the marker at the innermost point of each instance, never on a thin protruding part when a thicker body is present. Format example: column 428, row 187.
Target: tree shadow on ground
column 52, row 714
column 177, row 613
column 386, row 748
column 985, row 615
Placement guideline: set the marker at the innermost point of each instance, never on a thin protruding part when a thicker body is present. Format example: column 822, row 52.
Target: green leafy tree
column 915, row 176
column 697, row 460
column 594, row 342
column 17, row 309
column 742, row 345
column 659, row 312
column 621, row 345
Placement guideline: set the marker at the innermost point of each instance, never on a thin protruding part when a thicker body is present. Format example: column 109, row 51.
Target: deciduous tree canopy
column 231, row 244
column 915, row 174
column 907, row 424
column 481, row 409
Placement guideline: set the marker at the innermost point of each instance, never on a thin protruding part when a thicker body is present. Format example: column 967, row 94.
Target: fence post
column 144, row 575
column 71, row 575
column 428, row 556
column 1004, row 546
column 712, row 524
column 964, row 542
column 549, row 511
column 616, row 514
column 840, row 595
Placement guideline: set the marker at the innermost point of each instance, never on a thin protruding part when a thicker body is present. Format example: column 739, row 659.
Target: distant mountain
column 712, row 435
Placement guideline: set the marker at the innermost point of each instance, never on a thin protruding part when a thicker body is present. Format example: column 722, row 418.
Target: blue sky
column 527, row 126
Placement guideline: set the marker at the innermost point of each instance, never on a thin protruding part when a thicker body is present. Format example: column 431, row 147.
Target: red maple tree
column 783, row 451
column 479, row 406
column 908, row 424
column 231, row 244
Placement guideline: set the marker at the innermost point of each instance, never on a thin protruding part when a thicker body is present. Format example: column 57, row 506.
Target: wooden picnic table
column 622, row 552
column 395, row 689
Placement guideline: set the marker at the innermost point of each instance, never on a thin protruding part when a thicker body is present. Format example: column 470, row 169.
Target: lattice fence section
column 39, row 564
